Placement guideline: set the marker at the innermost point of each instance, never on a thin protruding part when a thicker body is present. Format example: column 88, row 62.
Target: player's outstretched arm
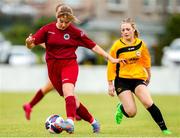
column 103, row 53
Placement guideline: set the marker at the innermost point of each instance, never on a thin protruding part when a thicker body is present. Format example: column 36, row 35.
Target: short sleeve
column 85, row 41
column 146, row 57
column 40, row 35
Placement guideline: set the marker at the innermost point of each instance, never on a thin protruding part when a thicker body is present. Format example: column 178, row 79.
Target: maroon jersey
column 62, row 44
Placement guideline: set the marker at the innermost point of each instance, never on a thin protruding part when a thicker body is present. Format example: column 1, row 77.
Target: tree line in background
column 16, row 29
column 171, row 31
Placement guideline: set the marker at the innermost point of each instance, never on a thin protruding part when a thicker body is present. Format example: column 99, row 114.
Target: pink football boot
column 27, row 110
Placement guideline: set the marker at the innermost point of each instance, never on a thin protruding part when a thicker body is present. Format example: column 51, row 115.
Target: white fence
column 91, row 79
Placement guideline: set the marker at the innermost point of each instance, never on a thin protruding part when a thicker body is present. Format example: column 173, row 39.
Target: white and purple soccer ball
column 51, row 120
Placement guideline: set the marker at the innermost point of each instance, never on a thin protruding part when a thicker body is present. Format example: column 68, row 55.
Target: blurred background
column 157, row 21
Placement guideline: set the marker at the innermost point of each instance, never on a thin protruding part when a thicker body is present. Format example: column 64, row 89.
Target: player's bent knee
column 131, row 113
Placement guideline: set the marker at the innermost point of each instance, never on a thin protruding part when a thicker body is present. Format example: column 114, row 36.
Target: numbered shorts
column 123, row 84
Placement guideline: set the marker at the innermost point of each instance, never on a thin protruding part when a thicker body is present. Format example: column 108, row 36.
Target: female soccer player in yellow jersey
column 132, row 75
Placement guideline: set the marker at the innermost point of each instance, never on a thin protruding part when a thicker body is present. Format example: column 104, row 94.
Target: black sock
column 122, row 109
column 157, row 116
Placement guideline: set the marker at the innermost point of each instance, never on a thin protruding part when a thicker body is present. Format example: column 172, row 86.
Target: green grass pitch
column 102, row 106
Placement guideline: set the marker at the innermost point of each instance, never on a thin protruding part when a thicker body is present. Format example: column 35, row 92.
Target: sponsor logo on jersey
column 66, row 36
column 131, row 48
column 66, row 79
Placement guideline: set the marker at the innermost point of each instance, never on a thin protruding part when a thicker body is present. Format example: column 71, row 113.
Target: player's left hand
column 111, row 90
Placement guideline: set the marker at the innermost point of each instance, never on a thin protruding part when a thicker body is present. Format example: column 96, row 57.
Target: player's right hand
column 30, row 41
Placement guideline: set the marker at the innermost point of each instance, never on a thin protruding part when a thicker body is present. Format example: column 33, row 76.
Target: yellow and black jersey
column 137, row 59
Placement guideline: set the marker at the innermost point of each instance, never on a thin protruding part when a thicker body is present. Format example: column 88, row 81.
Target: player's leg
column 71, row 109
column 47, row 88
column 37, row 98
column 144, row 96
column 77, row 117
column 70, row 103
column 127, row 106
column 83, row 112
column 68, row 78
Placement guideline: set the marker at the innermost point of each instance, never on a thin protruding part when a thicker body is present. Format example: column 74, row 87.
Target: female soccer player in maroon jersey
column 48, row 87
column 62, row 39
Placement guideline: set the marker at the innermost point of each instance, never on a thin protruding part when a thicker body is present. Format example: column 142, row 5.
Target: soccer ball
column 51, row 120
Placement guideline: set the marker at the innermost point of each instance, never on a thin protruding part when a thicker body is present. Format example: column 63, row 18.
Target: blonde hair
column 63, row 9
column 132, row 23
column 59, row 6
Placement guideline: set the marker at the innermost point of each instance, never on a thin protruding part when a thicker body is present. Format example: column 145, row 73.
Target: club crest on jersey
column 66, row 36
column 138, row 53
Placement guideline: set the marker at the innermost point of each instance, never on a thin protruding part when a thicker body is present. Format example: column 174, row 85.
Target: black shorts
column 122, row 84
